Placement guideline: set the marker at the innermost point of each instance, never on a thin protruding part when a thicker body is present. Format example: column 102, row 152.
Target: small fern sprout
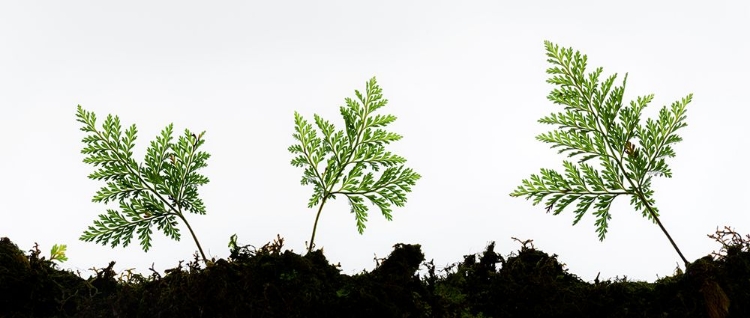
column 596, row 126
column 155, row 194
column 343, row 162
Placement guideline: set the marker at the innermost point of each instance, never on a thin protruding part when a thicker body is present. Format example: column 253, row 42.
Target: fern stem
column 195, row 238
column 663, row 229
column 315, row 226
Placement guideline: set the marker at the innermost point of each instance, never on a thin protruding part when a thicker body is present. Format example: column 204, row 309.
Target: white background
column 465, row 79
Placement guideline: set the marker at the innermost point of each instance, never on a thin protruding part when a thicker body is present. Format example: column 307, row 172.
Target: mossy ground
column 272, row 282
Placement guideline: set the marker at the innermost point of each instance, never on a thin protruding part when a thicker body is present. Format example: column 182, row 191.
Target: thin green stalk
column 315, row 226
column 658, row 222
column 195, row 238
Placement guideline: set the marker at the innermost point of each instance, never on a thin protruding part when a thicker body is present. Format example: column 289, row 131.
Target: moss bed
column 272, row 282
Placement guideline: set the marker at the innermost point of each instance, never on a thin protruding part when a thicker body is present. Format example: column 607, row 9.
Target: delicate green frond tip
column 594, row 128
column 57, row 253
column 353, row 161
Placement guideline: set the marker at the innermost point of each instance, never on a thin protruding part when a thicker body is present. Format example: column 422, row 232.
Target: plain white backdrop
column 465, row 79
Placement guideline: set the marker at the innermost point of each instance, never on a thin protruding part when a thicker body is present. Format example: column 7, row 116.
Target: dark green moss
column 272, row 282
